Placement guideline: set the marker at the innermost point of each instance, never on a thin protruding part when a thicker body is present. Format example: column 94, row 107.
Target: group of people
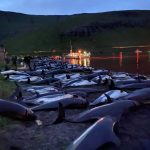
column 13, row 61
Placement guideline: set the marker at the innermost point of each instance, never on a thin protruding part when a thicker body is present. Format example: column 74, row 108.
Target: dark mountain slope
column 97, row 31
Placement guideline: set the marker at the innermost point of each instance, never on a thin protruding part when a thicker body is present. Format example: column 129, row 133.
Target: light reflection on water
column 83, row 62
column 134, row 62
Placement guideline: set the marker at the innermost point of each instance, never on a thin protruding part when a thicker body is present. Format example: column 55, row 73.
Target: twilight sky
column 61, row 7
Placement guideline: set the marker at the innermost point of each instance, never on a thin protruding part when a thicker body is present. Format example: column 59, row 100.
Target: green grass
column 4, row 122
column 6, row 88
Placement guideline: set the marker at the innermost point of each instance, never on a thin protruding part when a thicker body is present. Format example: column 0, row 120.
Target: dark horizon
column 75, row 13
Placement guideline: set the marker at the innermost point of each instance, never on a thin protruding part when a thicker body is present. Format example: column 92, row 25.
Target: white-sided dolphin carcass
column 114, row 110
column 15, row 110
column 113, row 95
column 98, row 134
column 74, row 102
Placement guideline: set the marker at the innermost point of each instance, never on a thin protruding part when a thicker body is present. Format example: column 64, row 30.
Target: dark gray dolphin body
column 46, row 81
column 134, row 86
column 35, row 73
column 67, row 103
column 80, row 70
column 141, row 96
column 87, row 90
column 71, row 82
column 97, row 135
column 90, row 76
column 114, row 110
column 129, row 81
column 14, row 110
column 57, row 71
column 130, row 86
column 79, row 93
column 17, row 73
column 36, row 95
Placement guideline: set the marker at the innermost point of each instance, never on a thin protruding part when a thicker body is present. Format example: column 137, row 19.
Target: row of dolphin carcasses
column 54, row 83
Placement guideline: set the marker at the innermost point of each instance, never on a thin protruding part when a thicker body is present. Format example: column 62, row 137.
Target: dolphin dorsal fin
column 108, row 98
column 67, row 76
column 111, row 84
column 28, row 81
column 61, row 114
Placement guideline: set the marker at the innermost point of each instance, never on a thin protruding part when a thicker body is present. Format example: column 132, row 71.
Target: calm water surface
column 134, row 62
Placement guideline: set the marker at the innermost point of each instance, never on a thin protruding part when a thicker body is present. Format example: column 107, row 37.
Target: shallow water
column 133, row 62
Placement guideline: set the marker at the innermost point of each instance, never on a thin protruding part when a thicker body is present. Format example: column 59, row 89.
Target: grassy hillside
column 97, row 32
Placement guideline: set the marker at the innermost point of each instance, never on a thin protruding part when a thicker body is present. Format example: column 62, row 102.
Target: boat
column 80, row 54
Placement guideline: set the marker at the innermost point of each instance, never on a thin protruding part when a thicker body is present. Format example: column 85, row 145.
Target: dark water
column 133, row 62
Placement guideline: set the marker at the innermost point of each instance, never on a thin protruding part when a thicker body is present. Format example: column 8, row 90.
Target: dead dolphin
column 131, row 86
column 79, row 93
column 44, row 81
column 80, row 70
column 74, row 102
column 141, row 96
column 83, row 82
column 114, row 110
column 30, row 79
column 13, row 72
column 71, row 82
column 100, row 133
column 14, row 110
column 87, row 90
column 40, row 89
column 47, row 98
column 113, row 94
column 134, row 86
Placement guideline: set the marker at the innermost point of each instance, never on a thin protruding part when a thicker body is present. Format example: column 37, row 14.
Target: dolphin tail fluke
column 115, row 139
column 61, row 114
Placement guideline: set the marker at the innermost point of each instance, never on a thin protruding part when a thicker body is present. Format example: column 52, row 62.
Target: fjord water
column 131, row 62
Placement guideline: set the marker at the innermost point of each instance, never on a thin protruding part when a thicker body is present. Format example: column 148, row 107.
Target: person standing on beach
column 27, row 60
column 7, row 61
column 14, row 61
